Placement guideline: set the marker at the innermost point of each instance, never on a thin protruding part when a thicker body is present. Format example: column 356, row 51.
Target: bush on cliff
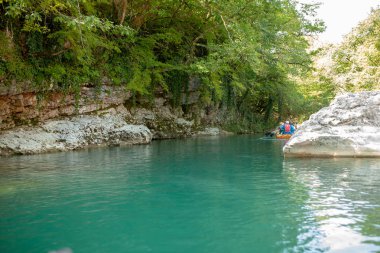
column 242, row 51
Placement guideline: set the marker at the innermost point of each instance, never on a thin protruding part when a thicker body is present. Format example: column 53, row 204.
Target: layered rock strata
column 34, row 121
column 349, row 127
column 22, row 107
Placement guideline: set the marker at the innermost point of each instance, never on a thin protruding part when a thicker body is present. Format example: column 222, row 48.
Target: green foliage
column 350, row 66
column 318, row 91
column 243, row 51
column 357, row 59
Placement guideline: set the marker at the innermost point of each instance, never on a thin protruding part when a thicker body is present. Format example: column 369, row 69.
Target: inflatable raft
column 283, row 136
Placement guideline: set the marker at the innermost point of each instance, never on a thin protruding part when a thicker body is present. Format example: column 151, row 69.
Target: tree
column 243, row 51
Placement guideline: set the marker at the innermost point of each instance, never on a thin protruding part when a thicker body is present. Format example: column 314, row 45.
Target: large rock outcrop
column 20, row 105
column 33, row 121
column 163, row 121
column 349, row 127
column 73, row 133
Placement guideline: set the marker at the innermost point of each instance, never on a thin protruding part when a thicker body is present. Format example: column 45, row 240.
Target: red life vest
column 287, row 128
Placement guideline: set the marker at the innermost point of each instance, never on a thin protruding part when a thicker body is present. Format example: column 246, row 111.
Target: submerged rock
column 349, row 127
column 73, row 133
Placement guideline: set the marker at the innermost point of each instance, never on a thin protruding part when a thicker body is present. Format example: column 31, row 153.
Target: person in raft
column 287, row 128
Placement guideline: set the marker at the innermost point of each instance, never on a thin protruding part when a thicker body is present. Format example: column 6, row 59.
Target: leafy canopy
column 243, row 51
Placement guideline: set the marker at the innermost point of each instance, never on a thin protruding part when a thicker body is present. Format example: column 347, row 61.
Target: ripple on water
column 342, row 208
column 232, row 194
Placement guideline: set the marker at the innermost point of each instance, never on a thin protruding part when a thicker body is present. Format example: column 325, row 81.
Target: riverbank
column 86, row 131
column 33, row 122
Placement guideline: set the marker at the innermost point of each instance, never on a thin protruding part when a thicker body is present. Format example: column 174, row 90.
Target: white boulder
column 73, row 133
column 349, row 127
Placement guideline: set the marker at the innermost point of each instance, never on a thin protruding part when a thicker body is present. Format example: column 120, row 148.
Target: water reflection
column 342, row 199
column 232, row 194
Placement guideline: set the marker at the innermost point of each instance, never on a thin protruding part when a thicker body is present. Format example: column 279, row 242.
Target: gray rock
column 163, row 121
column 349, row 127
column 73, row 133
column 141, row 115
column 183, row 122
column 209, row 131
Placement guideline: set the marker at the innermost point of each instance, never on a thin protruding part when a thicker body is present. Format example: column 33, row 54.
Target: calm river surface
column 224, row 194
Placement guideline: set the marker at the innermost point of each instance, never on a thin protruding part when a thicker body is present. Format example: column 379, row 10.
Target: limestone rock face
column 209, row 131
column 73, row 133
column 22, row 106
column 163, row 121
column 349, row 127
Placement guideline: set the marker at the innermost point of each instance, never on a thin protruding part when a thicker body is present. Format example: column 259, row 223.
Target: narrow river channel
column 218, row 194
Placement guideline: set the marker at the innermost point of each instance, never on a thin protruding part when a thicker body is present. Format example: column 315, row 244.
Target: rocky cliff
column 349, row 127
column 35, row 122
column 21, row 105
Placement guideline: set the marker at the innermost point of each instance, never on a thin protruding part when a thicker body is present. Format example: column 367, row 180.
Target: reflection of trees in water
column 342, row 199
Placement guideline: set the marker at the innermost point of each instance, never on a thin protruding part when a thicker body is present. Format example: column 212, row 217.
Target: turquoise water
column 223, row 194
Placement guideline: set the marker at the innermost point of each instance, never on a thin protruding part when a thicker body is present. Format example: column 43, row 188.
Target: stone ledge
column 73, row 133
